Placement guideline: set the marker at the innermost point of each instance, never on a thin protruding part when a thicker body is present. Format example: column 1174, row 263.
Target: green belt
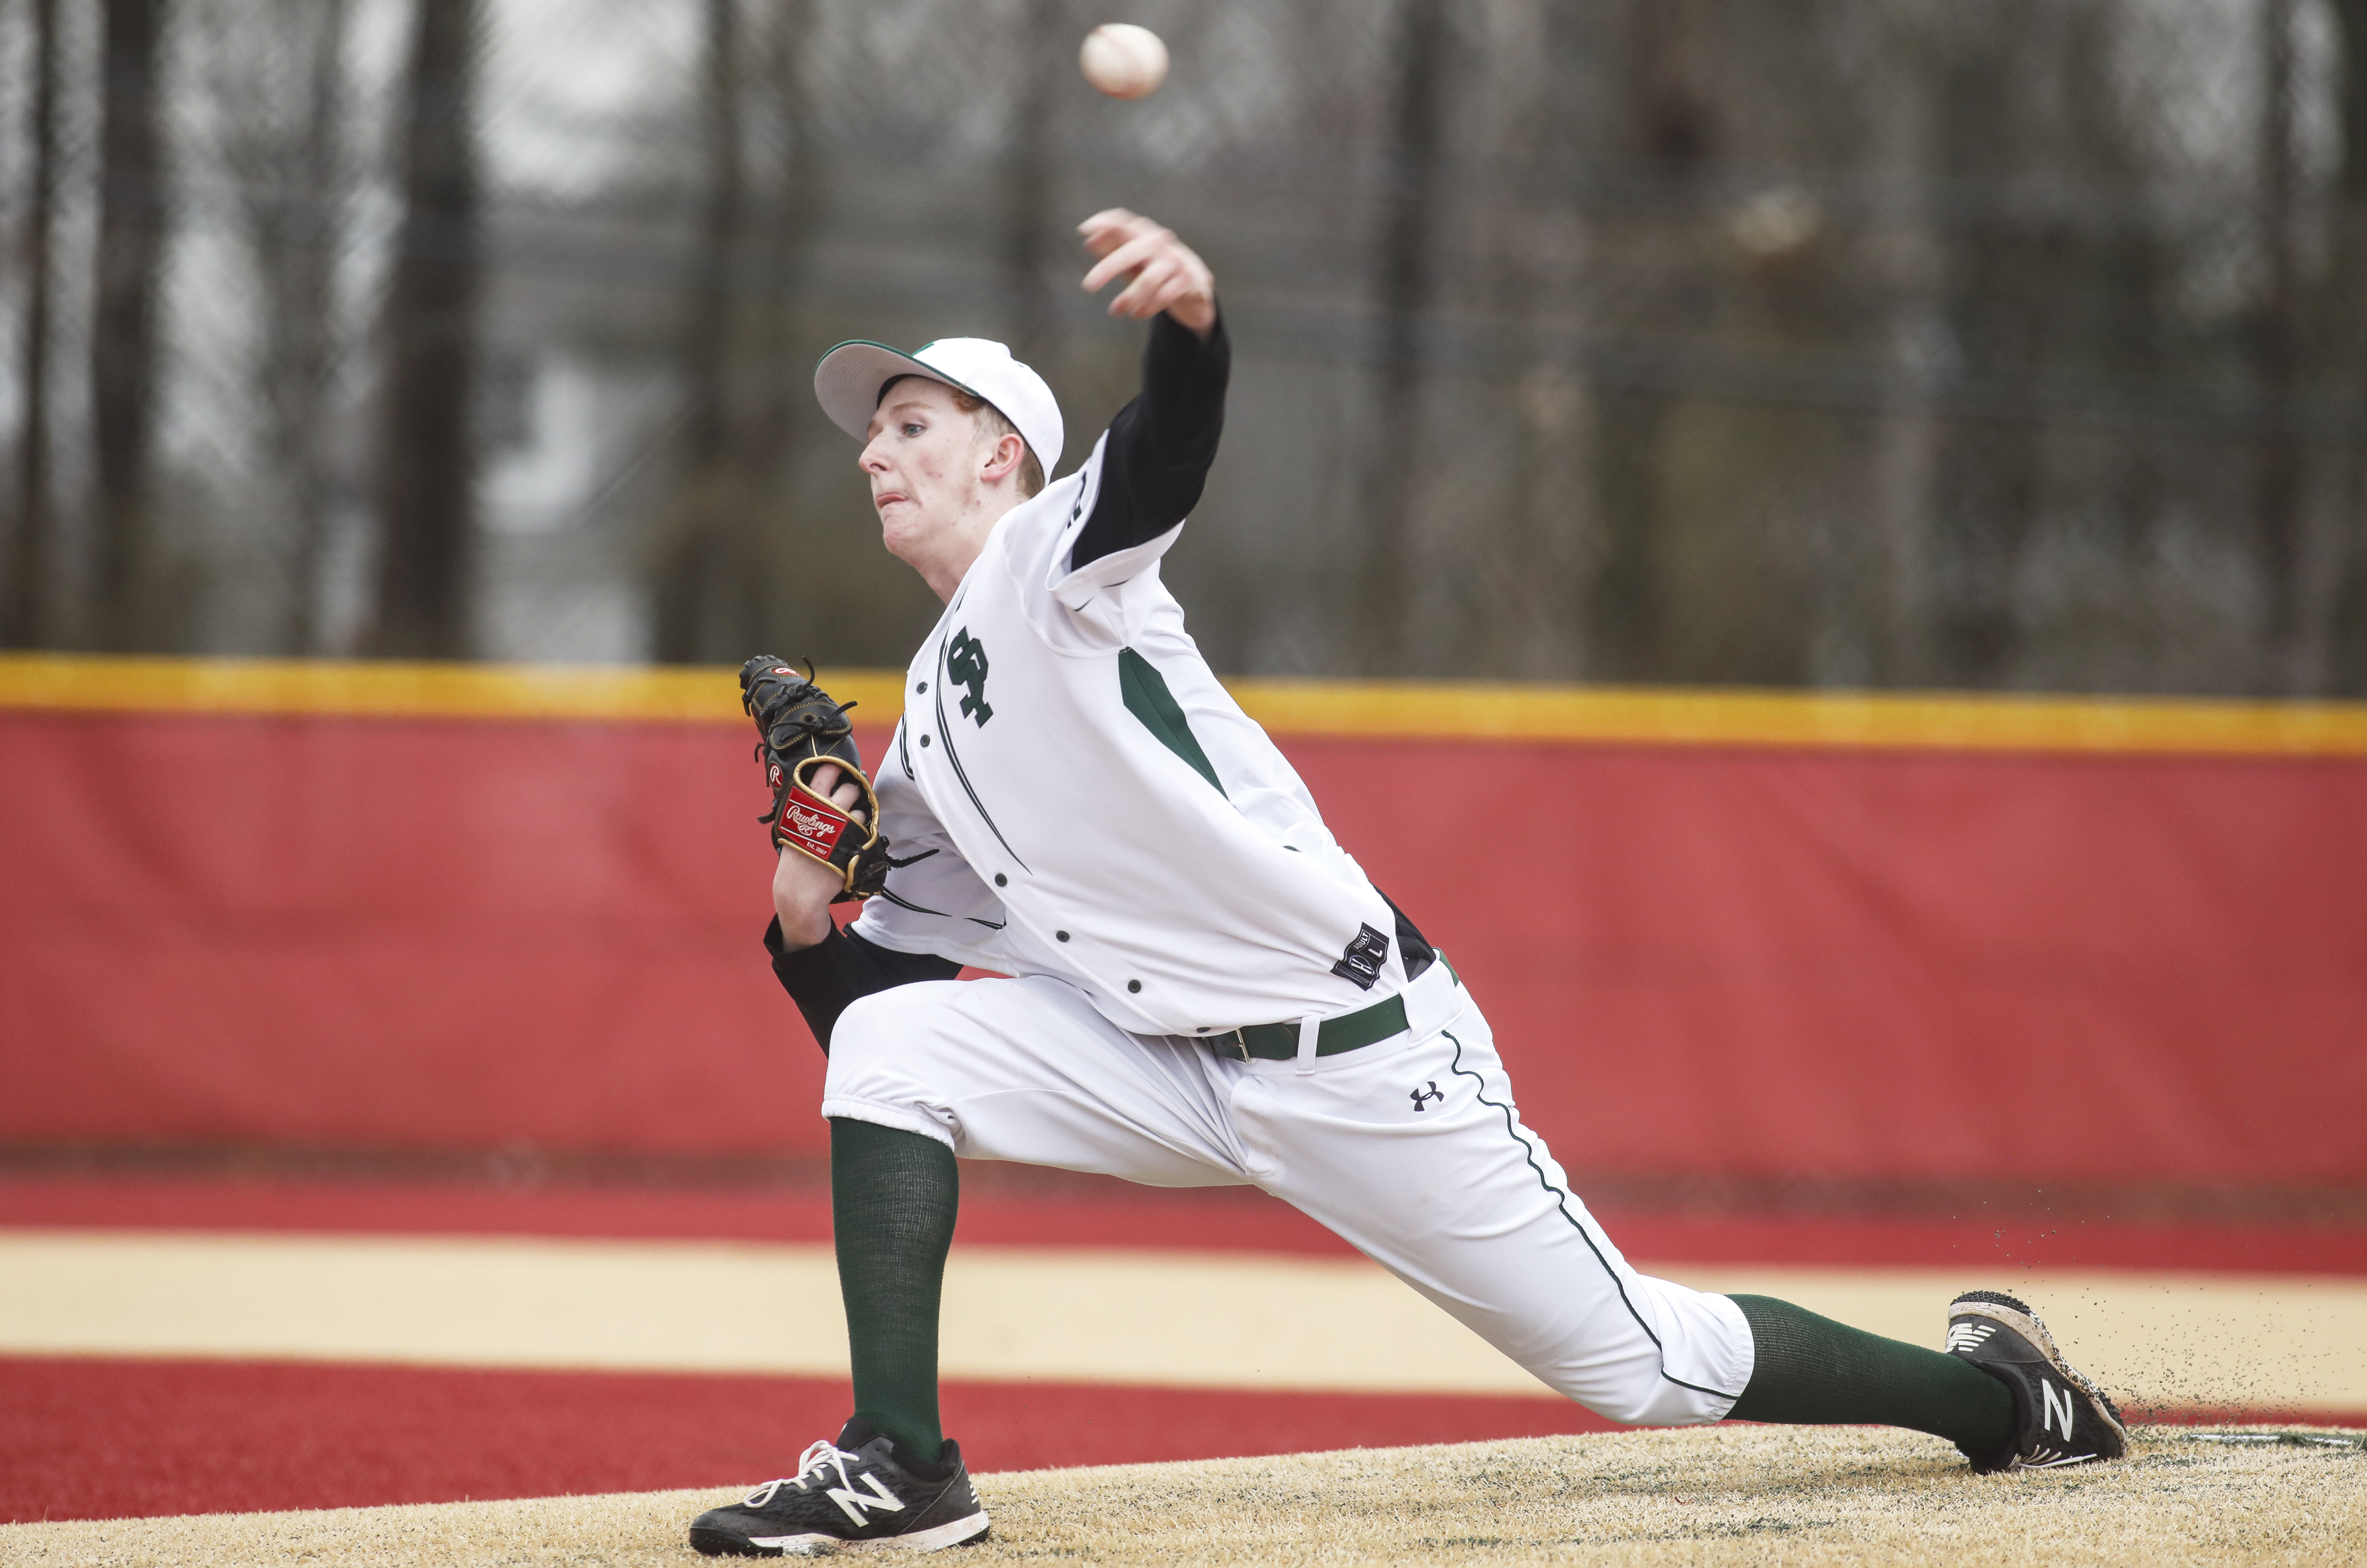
column 1279, row 1042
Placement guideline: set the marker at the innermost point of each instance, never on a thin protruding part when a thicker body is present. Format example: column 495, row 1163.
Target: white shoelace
column 823, row 1455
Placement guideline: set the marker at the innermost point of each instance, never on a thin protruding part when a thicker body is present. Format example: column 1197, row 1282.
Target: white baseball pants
column 1457, row 1198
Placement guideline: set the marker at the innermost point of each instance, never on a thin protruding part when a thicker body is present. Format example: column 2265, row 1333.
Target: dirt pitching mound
column 1722, row 1494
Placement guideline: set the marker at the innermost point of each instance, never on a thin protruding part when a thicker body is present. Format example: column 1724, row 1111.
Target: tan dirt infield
column 1757, row 1494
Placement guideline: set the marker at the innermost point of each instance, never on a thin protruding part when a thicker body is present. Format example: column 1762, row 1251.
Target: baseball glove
column 799, row 732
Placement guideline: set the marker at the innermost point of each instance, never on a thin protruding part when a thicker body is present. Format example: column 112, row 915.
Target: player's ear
column 1002, row 459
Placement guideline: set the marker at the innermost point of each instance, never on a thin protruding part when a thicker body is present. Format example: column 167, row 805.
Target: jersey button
column 924, row 740
column 922, row 688
column 1134, row 984
column 1001, row 880
column 1061, row 936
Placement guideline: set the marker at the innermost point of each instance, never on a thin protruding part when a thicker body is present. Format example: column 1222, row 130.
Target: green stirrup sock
column 892, row 1198
column 1812, row 1371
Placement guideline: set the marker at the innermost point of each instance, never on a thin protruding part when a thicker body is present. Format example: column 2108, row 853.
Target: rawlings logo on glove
column 799, row 730
column 804, row 818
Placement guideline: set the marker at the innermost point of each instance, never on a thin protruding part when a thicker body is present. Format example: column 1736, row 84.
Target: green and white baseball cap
column 851, row 377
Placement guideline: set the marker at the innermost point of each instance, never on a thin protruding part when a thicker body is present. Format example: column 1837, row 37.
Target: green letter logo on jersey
column 966, row 662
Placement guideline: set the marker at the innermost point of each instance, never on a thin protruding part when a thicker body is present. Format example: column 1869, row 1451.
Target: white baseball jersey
column 1077, row 780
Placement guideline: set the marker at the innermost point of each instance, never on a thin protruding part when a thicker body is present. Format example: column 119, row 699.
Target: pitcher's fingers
column 1137, row 252
column 1120, row 264
column 1109, row 227
column 1154, row 288
column 1101, row 241
column 1177, row 274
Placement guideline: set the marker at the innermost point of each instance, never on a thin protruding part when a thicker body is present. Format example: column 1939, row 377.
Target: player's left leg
column 1412, row 1150
column 1416, row 1152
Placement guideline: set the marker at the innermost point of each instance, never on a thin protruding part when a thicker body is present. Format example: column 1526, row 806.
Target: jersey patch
column 966, row 662
column 1360, row 965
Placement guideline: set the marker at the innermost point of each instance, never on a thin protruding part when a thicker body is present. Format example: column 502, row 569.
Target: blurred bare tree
column 26, row 621
column 1032, row 226
column 293, row 186
column 1778, row 342
column 128, row 260
column 1403, row 252
column 706, row 583
column 427, row 466
column 2279, row 459
column 1663, row 127
column 712, row 576
column 2341, row 339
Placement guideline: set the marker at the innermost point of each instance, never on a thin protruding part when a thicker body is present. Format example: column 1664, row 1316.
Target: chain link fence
column 1884, row 342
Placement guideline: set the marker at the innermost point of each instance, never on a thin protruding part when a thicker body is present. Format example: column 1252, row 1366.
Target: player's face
column 922, row 456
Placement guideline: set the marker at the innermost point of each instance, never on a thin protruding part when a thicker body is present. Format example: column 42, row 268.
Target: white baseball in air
column 1124, row 61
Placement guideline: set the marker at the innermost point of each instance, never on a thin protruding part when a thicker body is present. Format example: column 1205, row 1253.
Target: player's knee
column 864, row 1021
column 895, row 1021
column 1628, row 1410
column 1641, row 1395
column 1665, row 1404
column 897, row 1012
column 890, row 1061
column 861, row 1065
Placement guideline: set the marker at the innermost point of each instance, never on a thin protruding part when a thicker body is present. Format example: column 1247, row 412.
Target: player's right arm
column 1161, row 445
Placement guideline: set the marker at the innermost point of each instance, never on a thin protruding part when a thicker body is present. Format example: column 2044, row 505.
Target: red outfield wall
column 1871, row 960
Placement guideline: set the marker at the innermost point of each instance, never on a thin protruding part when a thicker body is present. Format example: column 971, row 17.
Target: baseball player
column 1205, row 988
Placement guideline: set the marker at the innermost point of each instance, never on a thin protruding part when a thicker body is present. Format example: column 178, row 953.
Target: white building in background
column 555, row 567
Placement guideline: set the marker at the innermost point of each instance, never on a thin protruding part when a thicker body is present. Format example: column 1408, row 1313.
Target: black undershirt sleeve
column 1162, row 444
column 1414, row 948
column 842, row 968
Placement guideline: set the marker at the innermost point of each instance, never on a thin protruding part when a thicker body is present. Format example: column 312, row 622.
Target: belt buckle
column 1229, row 1046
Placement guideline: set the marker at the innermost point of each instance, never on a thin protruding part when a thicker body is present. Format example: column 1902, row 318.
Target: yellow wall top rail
column 1376, row 709
column 360, row 689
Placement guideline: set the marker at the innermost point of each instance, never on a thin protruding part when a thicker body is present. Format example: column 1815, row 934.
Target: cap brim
column 848, row 381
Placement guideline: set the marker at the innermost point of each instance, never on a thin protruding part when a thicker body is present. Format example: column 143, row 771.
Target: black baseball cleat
column 857, row 1492
column 2060, row 1416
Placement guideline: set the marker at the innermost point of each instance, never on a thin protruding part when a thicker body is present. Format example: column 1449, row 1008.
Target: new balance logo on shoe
column 853, row 1502
column 1968, row 1335
column 2055, row 1414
